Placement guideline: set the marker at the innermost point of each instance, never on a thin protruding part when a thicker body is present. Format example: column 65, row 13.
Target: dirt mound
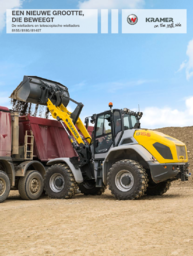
column 184, row 134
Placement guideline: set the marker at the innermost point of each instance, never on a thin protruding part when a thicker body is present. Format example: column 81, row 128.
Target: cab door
column 103, row 135
column 103, row 139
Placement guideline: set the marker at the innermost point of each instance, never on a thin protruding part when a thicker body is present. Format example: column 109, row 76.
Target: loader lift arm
column 62, row 114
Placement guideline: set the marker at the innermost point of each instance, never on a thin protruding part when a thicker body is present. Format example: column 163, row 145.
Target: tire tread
column 72, row 183
column 139, row 191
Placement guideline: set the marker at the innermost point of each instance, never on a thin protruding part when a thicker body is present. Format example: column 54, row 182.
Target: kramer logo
column 72, row 129
column 159, row 20
column 132, row 19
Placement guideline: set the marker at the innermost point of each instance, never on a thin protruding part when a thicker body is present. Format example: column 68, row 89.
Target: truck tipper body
column 28, row 143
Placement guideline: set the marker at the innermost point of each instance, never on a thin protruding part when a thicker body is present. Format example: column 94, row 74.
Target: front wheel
column 4, row 186
column 59, row 182
column 127, row 179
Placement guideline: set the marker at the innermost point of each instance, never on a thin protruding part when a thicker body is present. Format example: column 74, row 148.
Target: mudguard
column 21, row 169
column 76, row 172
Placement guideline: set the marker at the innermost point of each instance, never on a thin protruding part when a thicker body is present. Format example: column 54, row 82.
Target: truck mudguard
column 76, row 172
column 29, row 165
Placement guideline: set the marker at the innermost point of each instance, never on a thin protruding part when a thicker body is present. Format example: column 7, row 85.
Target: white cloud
column 7, row 4
column 188, row 64
column 163, row 117
column 182, row 66
column 110, row 4
column 189, row 105
column 113, row 87
column 77, row 87
column 189, row 52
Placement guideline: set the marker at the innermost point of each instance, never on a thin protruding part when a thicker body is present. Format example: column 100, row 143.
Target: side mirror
column 93, row 119
column 86, row 121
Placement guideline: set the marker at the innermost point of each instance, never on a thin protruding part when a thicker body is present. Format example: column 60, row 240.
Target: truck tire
column 127, row 180
column 89, row 188
column 4, row 186
column 31, row 185
column 154, row 189
column 59, row 182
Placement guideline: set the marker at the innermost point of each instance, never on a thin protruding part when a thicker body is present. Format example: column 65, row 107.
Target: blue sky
column 152, row 70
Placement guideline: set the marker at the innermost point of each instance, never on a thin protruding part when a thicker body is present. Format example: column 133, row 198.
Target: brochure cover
column 96, row 109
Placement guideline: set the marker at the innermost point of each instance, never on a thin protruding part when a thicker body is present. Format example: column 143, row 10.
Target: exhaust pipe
column 38, row 90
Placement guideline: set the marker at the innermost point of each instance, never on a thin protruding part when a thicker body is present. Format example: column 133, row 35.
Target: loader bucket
column 38, row 90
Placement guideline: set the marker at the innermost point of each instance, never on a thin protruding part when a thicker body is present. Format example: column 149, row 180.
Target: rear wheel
column 154, row 189
column 59, row 182
column 89, row 188
column 127, row 179
column 4, row 186
column 31, row 186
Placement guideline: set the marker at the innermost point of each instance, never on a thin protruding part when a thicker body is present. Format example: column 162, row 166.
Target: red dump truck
column 27, row 143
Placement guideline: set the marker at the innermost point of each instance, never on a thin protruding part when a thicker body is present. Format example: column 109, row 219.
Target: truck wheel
column 127, row 179
column 154, row 189
column 59, row 182
column 31, row 186
column 89, row 188
column 4, row 186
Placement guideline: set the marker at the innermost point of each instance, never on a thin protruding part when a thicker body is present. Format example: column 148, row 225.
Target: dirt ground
column 102, row 225
column 99, row 225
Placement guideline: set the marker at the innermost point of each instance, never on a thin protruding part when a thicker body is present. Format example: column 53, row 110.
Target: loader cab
column 109, row 129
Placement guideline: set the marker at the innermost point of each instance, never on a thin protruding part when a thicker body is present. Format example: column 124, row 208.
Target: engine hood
column 164, row 148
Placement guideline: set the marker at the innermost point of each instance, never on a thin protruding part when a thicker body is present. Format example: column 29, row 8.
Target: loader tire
column 154, row 189
column 59, row 182
column 4, row 186
column 127, row 180
column 89, row 188
column 31, row 185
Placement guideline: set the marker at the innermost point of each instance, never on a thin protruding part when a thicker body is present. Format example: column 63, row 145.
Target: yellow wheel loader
column 130, row 160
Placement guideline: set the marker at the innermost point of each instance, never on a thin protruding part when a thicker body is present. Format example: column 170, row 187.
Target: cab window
column 100, row 126
column 117, row 122
column 133, row 121
column 103, row 135
column 129, row 121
